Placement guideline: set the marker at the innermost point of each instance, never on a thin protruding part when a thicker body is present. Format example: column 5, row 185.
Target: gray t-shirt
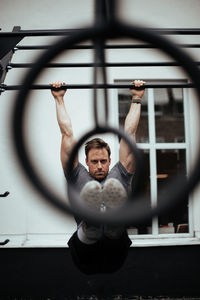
column 80, row 176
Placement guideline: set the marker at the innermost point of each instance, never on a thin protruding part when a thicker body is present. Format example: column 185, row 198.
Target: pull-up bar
column 61, row 32
column 108, row 65
column 4, row 87
column 111, row 46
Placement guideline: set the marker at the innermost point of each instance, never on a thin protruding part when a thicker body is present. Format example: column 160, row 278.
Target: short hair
column 96, row 143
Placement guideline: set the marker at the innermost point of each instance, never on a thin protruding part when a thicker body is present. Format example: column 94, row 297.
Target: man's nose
column 99, row 165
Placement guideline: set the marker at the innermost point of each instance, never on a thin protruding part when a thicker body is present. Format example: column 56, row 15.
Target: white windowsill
column 60, row 240
column 164, row 241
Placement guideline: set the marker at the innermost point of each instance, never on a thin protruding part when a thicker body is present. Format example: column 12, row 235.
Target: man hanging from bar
column 103, row 248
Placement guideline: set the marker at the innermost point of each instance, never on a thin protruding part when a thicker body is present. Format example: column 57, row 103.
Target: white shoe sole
column 113, row 194
column 91, row 195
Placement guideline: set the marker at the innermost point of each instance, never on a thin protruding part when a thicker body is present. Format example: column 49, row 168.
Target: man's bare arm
column 130, row 128
column 64, row 123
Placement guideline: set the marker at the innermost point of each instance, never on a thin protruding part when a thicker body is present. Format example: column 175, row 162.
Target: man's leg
column 86, row 257
column 85, row 245
column 114, row 196
column 91, row 196
column 116, row 240
column 91, row 251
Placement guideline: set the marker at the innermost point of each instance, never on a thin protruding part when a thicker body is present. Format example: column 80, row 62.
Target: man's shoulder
column 118, row 167
column 80, row 176
column 79, row 169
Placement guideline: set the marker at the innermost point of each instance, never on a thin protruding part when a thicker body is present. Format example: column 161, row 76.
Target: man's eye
column 94, row 161
column 104, row 161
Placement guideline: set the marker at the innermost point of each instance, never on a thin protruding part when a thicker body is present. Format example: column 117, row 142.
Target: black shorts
column 105, row 256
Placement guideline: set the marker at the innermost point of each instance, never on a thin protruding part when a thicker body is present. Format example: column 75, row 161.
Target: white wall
column 23, row 211
column 159, row 13
column 23, row 214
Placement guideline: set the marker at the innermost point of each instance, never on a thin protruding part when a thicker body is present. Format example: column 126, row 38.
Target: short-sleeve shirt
column 80, row 176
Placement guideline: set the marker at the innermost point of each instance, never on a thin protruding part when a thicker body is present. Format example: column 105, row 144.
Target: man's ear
column 109, row 161
column 86, row 161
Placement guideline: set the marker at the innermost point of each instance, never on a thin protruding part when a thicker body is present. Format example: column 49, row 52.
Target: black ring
column 178, row 189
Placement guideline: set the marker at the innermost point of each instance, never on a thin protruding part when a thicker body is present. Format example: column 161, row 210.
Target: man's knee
column 91, row 186
column 114, row 183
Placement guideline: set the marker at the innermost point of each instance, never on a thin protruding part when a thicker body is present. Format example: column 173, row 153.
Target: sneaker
column 114, row 196
column 91, row 195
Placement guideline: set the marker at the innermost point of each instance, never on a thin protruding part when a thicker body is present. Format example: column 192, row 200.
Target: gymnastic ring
column 136, row 213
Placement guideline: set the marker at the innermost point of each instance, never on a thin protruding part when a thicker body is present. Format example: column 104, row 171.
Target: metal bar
column 50, row 32
column 88, row 65
column 100, row 12
column 100, row 76
column 6, row 53
column 8, row 44
column 112, row 8
column 176, row 31
column 99, row 86
column 4, row 194
column 114, row 46
column 56, row 32
column 4, row 242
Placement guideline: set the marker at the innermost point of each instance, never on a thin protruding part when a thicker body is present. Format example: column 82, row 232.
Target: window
column 162, row 136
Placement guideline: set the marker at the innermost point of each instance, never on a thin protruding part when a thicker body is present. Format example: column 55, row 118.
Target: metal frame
column 104, row 32
column 9, row 42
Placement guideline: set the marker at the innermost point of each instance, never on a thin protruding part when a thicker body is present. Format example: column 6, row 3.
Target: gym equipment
column 136, row 210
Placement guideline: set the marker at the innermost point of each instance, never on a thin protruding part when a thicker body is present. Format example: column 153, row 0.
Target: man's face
column 98, row 163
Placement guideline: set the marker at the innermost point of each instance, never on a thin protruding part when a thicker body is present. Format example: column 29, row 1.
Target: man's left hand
column 137, row 93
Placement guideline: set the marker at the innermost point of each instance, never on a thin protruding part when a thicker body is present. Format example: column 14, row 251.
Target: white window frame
column 155, row 238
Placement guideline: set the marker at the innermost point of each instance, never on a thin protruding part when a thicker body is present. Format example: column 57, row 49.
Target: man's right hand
column 56, row 91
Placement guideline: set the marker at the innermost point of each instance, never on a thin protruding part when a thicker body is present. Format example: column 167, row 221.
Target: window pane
column 169, row 115
column 142, row 229
column 171, row 163
column 124, row 98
